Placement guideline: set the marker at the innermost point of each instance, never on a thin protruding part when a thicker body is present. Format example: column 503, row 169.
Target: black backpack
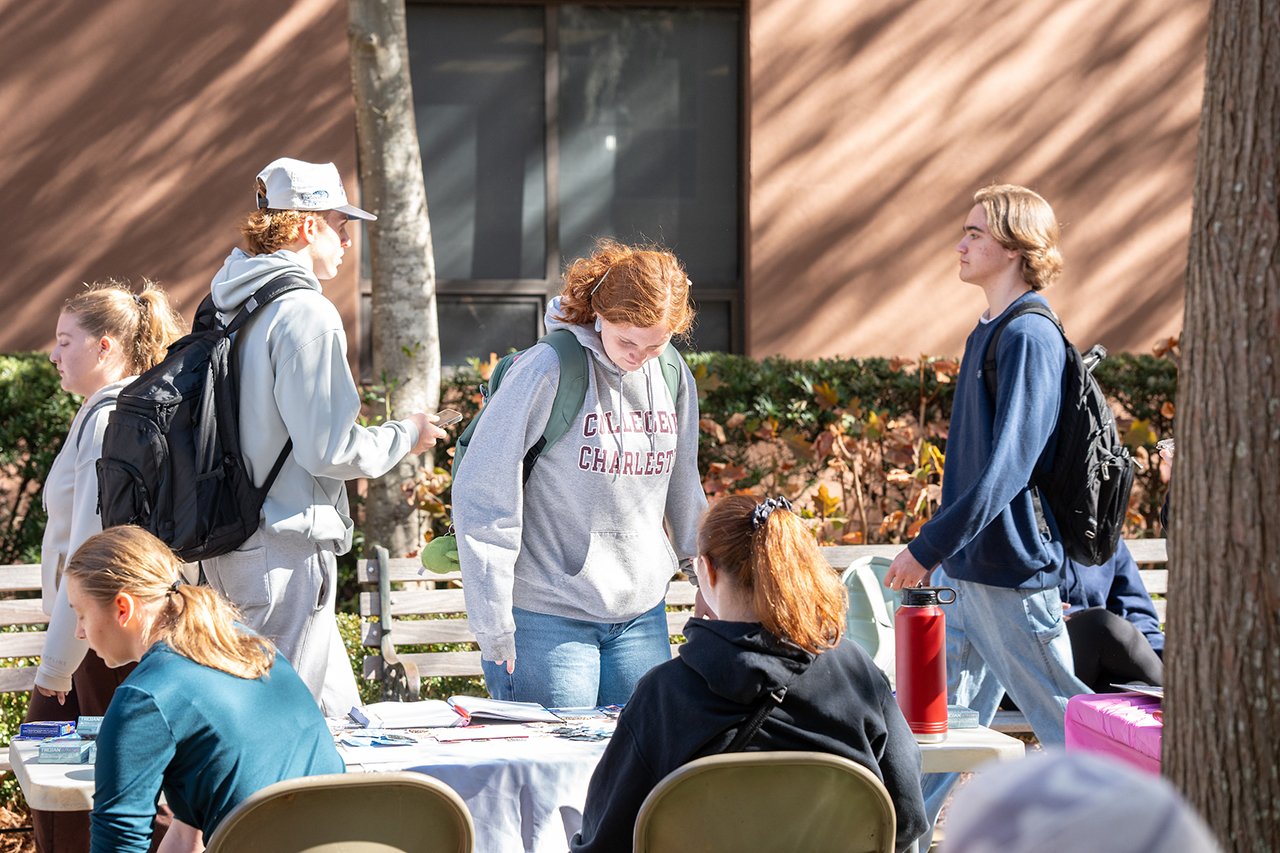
column 171, row 459
column 1087, row 486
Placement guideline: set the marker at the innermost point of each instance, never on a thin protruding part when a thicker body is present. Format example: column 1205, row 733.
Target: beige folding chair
column 768, row 802
column 349, row 813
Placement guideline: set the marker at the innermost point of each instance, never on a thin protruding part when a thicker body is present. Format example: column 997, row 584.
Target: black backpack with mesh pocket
column 1088, row 482
column 171, row 460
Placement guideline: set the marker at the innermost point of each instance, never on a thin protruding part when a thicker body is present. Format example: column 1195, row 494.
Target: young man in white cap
column 295, row 385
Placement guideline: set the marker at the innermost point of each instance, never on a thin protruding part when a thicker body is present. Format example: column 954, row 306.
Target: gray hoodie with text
column 584, row 538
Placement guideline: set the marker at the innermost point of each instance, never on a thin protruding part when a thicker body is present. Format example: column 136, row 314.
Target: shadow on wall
column 133, row 131
column 872, row 126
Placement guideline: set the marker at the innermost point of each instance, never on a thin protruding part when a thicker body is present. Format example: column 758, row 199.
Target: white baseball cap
column 297, row 185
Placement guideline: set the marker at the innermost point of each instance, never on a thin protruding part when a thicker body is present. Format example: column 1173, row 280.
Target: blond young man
column 991, row 540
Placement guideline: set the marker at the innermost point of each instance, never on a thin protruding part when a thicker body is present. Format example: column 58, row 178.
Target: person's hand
column 702, row 610
column 181, row 838
column 511, row 665
column 428, row 432
column 61, row 695
column 905, row 571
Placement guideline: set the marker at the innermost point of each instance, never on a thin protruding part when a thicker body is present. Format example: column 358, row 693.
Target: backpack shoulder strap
column 671, row 364
column 764, row 707
column 84, row 423
column 277, row 287
column 989, row 360
column 571, row 391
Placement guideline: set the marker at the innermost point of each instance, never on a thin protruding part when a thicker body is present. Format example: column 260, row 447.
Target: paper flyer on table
column 429, row 713
column 494, row 709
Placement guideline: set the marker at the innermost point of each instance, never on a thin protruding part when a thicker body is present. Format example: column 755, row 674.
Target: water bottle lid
column 926, row 596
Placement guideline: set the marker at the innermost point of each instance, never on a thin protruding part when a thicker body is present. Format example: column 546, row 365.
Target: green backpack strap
column 672, row 371
column 571, row 391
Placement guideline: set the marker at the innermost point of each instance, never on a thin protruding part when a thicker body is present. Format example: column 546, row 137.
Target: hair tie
column 173, row 589
column 601, row 281
column 760, row 515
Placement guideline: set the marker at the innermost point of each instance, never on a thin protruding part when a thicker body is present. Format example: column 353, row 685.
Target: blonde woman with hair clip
column 105, row 337
column 566, row 572
column 212, row 712
column 771, row 672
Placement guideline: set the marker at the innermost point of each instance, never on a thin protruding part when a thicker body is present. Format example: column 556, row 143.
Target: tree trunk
column 1222, row 723
column 406, row 344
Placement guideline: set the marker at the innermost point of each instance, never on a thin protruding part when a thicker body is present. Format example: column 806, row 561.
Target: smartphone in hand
column 447, row 417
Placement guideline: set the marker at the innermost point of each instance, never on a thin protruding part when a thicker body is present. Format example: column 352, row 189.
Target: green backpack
column 571, row 392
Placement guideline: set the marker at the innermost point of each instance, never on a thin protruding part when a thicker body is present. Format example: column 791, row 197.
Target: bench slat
column 1148, row 550
column 24, row 644
column 1155, row 580
column 26, row 611
column 438, row 664
column 17, row 679
column 428, row 632
column 22, row 577
column 403, row 570
column 419, row 602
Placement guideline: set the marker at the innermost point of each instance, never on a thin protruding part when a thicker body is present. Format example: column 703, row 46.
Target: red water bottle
column 920, row 639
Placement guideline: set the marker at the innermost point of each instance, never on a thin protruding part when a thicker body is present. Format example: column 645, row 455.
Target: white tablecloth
column 524, row 795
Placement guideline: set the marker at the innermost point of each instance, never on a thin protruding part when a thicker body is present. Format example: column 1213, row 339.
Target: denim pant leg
column 632, row 649
column 557, row 662
column 569, row 663
column 1023, row 640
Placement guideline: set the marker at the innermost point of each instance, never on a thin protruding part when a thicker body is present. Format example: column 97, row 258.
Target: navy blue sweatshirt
column 1117, row 586
column 837, row 702
column 985, row 530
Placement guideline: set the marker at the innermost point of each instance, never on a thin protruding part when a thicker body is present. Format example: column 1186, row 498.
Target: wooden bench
column 21, row 612
column 401, row 674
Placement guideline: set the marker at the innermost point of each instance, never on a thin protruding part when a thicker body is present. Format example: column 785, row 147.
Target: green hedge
column 801, row 398
column 35, row 414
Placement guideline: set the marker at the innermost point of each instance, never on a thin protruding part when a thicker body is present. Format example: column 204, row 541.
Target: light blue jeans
column 568, row 663
column 1002, row 639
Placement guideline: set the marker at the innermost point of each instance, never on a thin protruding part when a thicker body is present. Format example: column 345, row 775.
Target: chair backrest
column 349, row 813
column 869, row 619
column 768, row 802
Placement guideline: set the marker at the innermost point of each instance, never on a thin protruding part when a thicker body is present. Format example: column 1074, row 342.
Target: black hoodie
column 837, row 702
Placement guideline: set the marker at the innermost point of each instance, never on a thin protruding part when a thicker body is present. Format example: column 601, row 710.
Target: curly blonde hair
column 628, row 285
column 1022, row 221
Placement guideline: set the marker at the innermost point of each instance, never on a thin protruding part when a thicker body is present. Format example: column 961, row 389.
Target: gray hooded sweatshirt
column 584, row 537
column 295, row 382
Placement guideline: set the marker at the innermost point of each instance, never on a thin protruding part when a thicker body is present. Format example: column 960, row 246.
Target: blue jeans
column 568, row 663
column 1002, row 639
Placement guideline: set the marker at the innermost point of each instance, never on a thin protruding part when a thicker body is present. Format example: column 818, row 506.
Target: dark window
column 543, row 128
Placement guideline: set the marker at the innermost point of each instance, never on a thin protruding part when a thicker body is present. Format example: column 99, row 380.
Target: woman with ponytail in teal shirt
column 211, row 714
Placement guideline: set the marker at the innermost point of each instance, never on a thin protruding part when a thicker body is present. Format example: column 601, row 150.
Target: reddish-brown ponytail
column 796, row 594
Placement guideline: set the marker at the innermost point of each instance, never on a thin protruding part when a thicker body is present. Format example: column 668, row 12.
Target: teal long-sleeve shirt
column 207, row 738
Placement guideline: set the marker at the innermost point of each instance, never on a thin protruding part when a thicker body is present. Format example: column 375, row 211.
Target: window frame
column 547, row 287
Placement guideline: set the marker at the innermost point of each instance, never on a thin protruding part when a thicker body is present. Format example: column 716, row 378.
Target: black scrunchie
column 761, row 513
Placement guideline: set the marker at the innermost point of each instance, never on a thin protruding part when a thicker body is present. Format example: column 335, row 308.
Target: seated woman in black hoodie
column 780, row 616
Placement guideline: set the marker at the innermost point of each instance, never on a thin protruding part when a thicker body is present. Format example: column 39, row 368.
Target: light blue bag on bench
column 869, row 619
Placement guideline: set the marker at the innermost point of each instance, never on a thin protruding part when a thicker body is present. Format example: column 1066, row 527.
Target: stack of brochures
column 457, row 711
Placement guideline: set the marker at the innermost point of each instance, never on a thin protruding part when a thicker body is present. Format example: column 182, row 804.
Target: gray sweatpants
column 284, row 584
